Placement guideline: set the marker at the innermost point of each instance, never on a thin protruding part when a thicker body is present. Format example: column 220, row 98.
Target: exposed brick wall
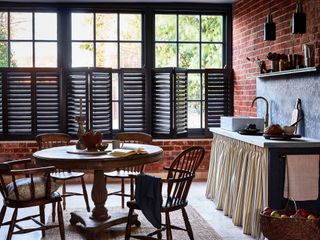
column 248, row 19
column 23, row 149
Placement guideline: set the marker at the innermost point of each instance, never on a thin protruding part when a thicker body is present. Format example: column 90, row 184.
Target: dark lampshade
column 269, row 29
column 299, row 20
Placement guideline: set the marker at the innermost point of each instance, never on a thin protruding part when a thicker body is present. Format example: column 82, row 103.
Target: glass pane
column 45, row 26
column 107, row 55
column 130, row 27
column 106, row 26
column 3, row 25
column 189, row 28
column 21, row 25
column 46, row 54
column 21, row 54
column 115, row 86
column 194, row 88
column 194, row 115
column 189, row 56
column 82, row 54
column 211, row 56
column 82, row 26
column 4, row 61
column 115, row 115
column 166, row 55
column 166, row 27
column 130, row 55
column 211, row 28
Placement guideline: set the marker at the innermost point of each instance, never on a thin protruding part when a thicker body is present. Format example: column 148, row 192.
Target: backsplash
column 282, row 93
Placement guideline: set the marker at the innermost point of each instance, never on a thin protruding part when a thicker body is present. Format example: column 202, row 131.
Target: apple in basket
column 91, row 139
column 312, row 216
column 275, row 214
column 267, row 211
column 302, row 213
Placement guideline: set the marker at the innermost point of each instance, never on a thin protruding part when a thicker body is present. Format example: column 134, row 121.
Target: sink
column 240, row 122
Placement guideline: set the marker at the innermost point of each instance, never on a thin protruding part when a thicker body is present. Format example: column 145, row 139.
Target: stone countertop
column 260, row 141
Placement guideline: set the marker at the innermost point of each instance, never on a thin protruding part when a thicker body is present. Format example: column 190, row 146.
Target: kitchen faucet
column 266, row 117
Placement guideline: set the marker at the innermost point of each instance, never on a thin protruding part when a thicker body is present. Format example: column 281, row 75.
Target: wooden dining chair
column 179, row 178
column 28, row 187
column 49, row 140
column 128, row 172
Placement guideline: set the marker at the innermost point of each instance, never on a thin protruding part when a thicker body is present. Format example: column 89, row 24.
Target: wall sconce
column 269, row 29
column 299, row 19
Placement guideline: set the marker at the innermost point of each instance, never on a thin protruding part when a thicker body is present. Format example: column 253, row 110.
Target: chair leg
column 60, row 220
column 12, row 223
column 2, row 213
column 42, row 218
column 53, row 212
column 64, row 190
column 131, row 189
column 129, row 223
column 85, row 194
column 122, row 192
column 168, row 227
column 187, row 223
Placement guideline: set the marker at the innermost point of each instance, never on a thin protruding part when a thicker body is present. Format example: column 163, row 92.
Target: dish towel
column 302, row 177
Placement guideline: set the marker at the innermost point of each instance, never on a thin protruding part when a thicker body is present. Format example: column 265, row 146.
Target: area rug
column 201, row 229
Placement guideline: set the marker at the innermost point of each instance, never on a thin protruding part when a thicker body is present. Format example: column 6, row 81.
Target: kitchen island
column 246, row 173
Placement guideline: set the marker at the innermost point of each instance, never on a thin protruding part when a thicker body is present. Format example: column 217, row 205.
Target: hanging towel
column 148, row 198
column 302, row 177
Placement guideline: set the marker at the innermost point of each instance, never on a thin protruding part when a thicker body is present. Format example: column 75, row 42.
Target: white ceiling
column 124, row 1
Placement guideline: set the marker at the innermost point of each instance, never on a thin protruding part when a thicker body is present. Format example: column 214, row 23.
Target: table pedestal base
column 92, row 227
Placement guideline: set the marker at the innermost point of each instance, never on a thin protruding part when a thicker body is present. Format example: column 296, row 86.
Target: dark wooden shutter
column 77, row 79
column 133, row 106
column 169, row 102
column 101, row 100
column 48, row 101
column 19, row 102
column 218, row 96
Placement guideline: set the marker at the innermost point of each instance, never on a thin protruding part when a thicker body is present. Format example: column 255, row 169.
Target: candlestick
column 80, row 106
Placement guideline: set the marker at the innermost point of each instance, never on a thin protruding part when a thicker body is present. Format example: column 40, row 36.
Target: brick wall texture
column 248, row 19
column 18, row 150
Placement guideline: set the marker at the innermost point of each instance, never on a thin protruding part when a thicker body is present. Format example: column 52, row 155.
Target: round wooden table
column 100, row 219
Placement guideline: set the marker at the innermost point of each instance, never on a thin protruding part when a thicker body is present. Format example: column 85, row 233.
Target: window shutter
column 48, row 101
column 133, row 107
column 77, row 79
column 19, row 102
column 218, row 96
column 1, row 103
column 169, row 102
column 101, row 100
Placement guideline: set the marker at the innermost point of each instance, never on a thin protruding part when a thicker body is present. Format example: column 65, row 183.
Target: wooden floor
column 222, row 224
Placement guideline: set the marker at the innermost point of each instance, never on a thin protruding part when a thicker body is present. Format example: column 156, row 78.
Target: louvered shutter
column 101, row 100
column 19, row 102
column 48, row 101
column 169, row 102
column 218, row 96
column 77, row 79
column 133, row 107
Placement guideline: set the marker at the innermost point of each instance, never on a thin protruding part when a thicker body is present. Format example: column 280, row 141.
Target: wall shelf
column 288, row 72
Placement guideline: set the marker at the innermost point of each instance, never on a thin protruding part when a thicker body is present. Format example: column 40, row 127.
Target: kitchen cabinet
column 246, row 173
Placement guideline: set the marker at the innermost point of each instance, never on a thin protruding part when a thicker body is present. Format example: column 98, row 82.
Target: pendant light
column 269, row 29
column 299, row 19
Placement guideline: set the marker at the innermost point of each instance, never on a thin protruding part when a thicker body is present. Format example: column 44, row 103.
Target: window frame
column 148, row 11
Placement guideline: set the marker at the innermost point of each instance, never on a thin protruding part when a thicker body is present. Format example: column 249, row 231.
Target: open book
column 122, row 152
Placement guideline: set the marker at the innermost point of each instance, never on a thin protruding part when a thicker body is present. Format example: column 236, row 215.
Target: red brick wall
column 24, row 149
column 248, row 19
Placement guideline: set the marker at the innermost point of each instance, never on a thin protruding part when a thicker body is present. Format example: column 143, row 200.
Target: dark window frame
column 148, row 11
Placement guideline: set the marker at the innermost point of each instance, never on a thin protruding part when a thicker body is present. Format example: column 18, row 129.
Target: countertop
column 260, row 141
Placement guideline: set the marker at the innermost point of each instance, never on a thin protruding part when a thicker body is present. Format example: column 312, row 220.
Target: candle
column 80, row 106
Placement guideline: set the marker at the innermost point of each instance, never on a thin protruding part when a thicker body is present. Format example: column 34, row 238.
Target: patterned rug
column 201, row 229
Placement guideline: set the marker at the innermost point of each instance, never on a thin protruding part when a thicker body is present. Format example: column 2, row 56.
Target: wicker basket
column 289, row 228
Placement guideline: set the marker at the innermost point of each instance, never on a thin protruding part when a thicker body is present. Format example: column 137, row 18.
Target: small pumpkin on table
column 93, row 141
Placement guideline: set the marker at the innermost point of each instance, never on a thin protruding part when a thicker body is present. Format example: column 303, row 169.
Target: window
column 110, row 40
column 28, row 39
column 194, row 42
column 110, row 55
